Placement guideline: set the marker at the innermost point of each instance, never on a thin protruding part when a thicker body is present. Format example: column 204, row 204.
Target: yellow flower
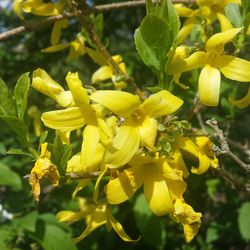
column 190, row 220
column 43, row 168
column 37, row 7
column 77, row 47
column 213, row 62
column 208, row 9
column 140, row 125
column 162, row 184
column 106, row 72
column 95, row 215
column 200, row 149
column 243, row 102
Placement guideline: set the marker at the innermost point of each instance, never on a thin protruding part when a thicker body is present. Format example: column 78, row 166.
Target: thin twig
column 35, row 25
column 224, row 148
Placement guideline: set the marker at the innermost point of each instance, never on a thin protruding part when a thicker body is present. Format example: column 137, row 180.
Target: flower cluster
column 119, row 139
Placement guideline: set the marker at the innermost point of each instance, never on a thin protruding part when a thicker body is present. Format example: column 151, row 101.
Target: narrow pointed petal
column 148, row 131
column 92, row 151
column 156, row 191
column 243, row 102
column 79, row 93
column 118, row 228
column 183, row 11
column 42, row 82
column 103, row 73
column 122, row 188
column 215, row 44
column 161, row 104
column 234, row 68
column 196, row 60
column 186, row 29
column 56, row 47
column 70, row 216
column 96, row 219
column 41, row 9
column 209, row 86
column 68, row 119
column 124, row 146
column 190, row 219
column 56, row 31
column 225, row 24
column 119, row 102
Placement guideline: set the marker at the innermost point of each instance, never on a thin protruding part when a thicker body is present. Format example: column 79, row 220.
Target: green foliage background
column 24, row 224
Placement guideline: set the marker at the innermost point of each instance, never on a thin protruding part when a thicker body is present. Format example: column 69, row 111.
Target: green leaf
column 9, row 178
column 246, row 13
column 6, row 102
column 18, row 151
column 150, row 226
column 16, row 125
column 27, row 222
column 153, row 40
column 61, row 154
column 55, row 238
column 244, row 221
column 232, row 11
column 154, row 89
column 21, row 94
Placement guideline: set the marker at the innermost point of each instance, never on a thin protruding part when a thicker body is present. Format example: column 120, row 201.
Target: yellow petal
column 56, row 31
column 118, row 228
column 209, row 86
column 82, row 184
column 225, row 24
column 79, row 93
column 70, row 216
column 183, row 10
column 92, row 151
column 161, row 104
column 148, row 131
column 103, row 73
column 17, row 8
column 156, row 191
column 243, row 102
column 196, row 60
column 124, row 146
column 96, row 219
column 178, row 162
column 74, row 164
column 119, row 102
column 215, row 44
column 186, row 29
column 190, row 220
column 68, row 119
column 234, row 68
column 42, row 82
column 77, row 48
column 122, row 188
column 56, row 47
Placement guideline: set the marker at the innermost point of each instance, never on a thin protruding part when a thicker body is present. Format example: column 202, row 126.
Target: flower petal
column 243, row 102
column 42, row 82
column 148, row 131
column 103, row 73
column 234, row 68
column 186, row 29
column 156, row 191
column 122, row 188
column 209, row 86
column 215, row 44
column 161, row 103
column 118, row 228
column 96, row 219
column 190, row 220
column 56, row 47
column 92, row 151
column 225, row 24
column 119, row 102
column 68, row 119
column 124, row 146
column 56, row 31
column 196, row 60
